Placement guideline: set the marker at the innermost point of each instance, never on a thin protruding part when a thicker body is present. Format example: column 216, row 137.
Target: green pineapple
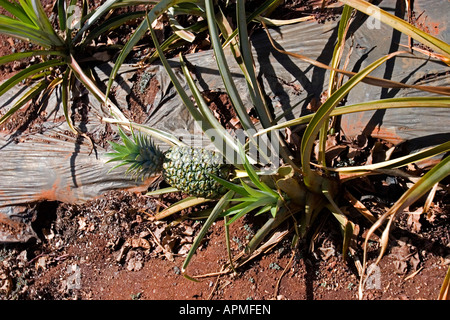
column 185, row 168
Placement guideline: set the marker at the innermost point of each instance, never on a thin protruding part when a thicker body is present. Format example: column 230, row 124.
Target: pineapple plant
column 186, row 168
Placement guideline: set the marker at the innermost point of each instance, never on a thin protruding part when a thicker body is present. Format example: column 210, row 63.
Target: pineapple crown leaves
column 140, row 152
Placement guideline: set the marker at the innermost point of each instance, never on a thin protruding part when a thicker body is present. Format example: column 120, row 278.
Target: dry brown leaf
column 413, row 220
column 377, row 154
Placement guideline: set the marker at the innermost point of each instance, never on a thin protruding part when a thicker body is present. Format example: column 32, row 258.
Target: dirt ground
column 111, row 248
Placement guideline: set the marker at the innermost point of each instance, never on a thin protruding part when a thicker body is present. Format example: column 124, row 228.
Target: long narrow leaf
column 245, row 49
column 255, row 89
column 155, row 133
column 384, row 83
column 65, row 99
column 250, row 207
column 224, row 136
column 26, row 32
column 218, row 209
column 28, row 10
column 338, row 48
column 26, row 54
column 44, row 23
column 425, row 183
column 24, row 74
column 398, row 162
column 252, row 174
column 111, row 24
column 444, row 293
column 100, row 11
column 154, row 13
column 391, row 103
column 324, row 112
column 16, row 10
column 422, row 186
column 268, row 5
column 180, row 205
column 30, row 94
column 231, row 186
column 61, row 7
column 196, row 114
column 402, row 26
column 92, row 87
column 224, row 70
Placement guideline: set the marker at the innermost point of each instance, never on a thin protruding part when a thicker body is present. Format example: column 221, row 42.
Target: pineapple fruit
column 186, row 168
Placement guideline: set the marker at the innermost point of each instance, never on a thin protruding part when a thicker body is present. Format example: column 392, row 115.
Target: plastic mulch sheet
column 47, row 163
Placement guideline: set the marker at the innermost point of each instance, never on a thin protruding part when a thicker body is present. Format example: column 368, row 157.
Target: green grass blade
column 93, row 88
column 27, row 7
column 268, row 5
column 271, row 224
column 254, row 193
column 235, row 209
column 174, row 41
column 218, row 209
column 227, row 241
column 265, row 209
column 61, row 7
column 333, row 80
column 255, row 89
column 402, row 26
column 246, row 50
column 198, row 117
column 338, row 48
column 155, row 133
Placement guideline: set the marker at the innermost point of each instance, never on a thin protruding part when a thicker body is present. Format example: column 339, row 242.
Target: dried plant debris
column 119, row 225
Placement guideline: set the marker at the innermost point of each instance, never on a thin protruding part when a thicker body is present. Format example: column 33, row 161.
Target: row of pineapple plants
column 298, row 192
